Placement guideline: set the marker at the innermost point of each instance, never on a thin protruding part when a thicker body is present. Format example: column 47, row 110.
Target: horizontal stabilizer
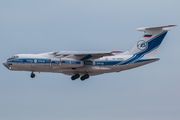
column 155, row 28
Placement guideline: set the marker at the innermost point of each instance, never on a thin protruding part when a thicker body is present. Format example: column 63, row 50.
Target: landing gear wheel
column 32, row 75
column 73, row 78
column 82, row 78
column 86, row 76
column 76, row 76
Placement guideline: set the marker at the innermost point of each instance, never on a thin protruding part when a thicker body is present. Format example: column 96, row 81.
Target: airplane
column 83, row 64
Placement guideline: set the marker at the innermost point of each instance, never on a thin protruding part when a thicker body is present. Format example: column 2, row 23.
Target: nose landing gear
column 32, row 75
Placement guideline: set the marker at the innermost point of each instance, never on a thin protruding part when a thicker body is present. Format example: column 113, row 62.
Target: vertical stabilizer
column 150, row 41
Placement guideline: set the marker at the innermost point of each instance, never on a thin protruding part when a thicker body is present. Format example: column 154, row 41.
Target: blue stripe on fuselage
column 112, row 63
column 41, row 61
column 29, row 61
column 86, row 63
column 101, row 63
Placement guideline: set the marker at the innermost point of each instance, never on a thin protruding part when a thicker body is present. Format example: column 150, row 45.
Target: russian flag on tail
column 147, row 35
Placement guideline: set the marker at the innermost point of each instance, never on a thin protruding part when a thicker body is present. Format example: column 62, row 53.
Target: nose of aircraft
column 5, row 63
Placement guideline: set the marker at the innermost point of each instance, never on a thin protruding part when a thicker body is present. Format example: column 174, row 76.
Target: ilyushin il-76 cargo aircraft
column 83, row 64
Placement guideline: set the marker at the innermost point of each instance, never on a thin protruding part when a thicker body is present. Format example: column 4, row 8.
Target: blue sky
column 148, row 92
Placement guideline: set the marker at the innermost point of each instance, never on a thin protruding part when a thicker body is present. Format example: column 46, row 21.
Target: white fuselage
column 47, row 62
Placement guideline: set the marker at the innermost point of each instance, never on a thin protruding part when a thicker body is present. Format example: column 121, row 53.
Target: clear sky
column 37, row 26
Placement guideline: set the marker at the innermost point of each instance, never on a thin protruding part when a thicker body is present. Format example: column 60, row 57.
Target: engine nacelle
column 66, row 62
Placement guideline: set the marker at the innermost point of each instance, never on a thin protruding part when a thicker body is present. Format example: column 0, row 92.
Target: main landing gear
column 76, row 76
column 86, row 76
column 32, row 75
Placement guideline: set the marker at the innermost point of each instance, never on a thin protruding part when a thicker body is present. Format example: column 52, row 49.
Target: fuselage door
column 33, row 64
column 60, row 63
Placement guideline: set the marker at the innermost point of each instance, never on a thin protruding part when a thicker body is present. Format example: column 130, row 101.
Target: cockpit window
column 13, row 57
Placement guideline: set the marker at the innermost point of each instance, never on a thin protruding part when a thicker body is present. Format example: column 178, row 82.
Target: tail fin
column 150, row 41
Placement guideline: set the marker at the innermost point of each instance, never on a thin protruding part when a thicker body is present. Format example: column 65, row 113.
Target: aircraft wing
column 85, row 55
